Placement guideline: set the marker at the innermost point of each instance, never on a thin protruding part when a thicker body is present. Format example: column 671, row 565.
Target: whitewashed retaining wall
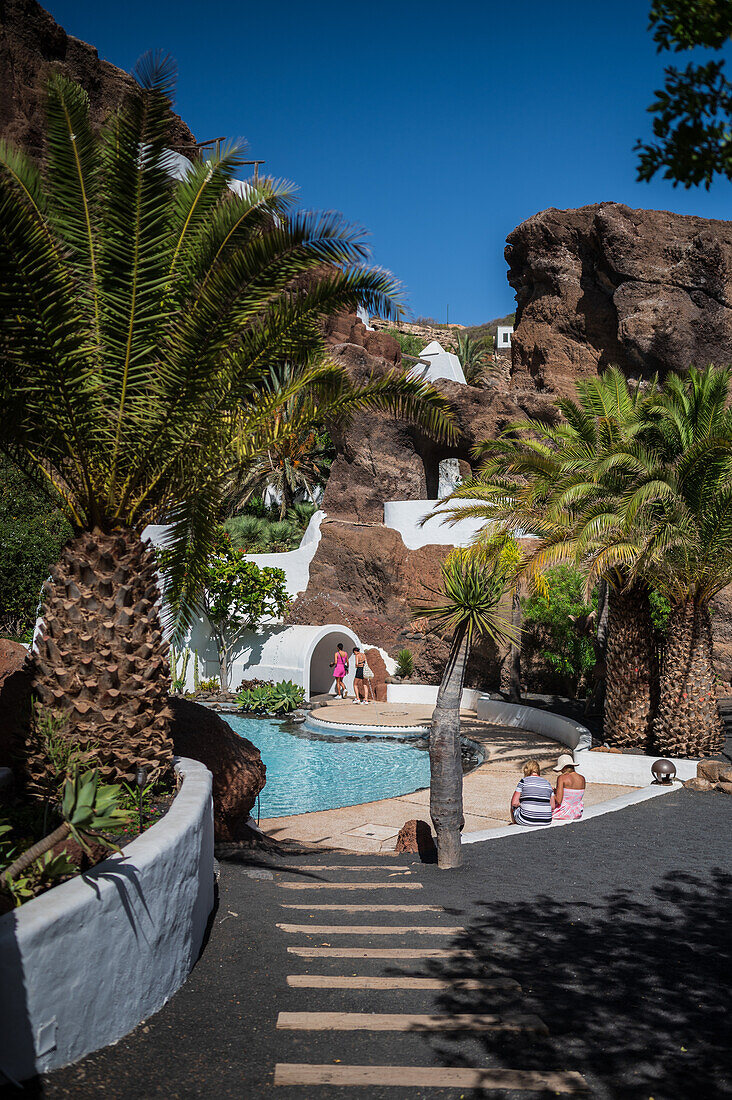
column 425, row 693
column 627, row 769
column 520, row 716
column 83, row 964
column 405, row 516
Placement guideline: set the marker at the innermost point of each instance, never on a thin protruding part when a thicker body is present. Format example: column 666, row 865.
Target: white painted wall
column 83, row 964
column 628, row 769
column 518, row 715
column 442, row 364
column 296, row 563
column 427, row 693
column 298, row 653
column 503, row 337
column 405, row 516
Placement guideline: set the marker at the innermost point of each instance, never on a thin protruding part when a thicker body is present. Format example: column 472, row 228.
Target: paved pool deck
column 373, row 826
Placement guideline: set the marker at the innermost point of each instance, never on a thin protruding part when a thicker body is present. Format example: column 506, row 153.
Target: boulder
column 710, row 770
column 235, row 764
column 32, row 46
column 378, row 667
column 724, row 786
column 416, row 836
column 646, row 290
column 15, row 701
column 699, row 784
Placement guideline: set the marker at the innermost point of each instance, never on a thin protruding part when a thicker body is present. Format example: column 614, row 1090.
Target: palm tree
column 140, row 317
column 467, row 606
column 562, row 483
column 678, row 524
column 475, row 359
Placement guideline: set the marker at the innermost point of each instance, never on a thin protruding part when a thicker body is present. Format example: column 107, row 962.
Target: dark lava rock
column 235, row 764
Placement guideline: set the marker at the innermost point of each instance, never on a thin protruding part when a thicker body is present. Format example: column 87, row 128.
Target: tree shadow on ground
column 635, row 993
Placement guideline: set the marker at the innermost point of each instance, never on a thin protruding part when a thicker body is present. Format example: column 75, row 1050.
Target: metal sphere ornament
column 664, row 771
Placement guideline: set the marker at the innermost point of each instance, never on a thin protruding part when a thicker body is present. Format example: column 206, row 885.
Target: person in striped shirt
column 533, row 799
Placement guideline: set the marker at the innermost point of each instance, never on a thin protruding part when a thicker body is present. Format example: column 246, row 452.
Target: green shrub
column 405, row 663
column 271, row 698
column 32, row 532
column 549, row 632
column 408, row 342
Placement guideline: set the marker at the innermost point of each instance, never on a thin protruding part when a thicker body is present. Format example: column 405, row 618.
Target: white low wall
column 627, row 769
column 425, row 693
column 564, row 730
column 405, row 516
column 83, row 964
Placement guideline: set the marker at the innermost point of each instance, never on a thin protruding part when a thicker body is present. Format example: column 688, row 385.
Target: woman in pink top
column 569, row 794
column 340, row 668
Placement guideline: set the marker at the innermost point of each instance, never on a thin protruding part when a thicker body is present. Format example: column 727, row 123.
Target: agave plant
column 140, row 319
column 88, row 809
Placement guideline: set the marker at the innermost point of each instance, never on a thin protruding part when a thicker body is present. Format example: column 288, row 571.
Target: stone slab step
column 408, row 1021
column 350, row 885
column 365, row 908
column 378, row 953
column 371, row 929
column 430, row 1077
column 378, row 981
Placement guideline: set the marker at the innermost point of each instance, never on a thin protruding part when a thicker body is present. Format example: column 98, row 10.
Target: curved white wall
column 405, row 516
column 554, row 726
column 296, row 563
column 83, row 964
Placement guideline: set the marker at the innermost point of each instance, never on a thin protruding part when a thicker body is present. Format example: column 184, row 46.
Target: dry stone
column 416, row 836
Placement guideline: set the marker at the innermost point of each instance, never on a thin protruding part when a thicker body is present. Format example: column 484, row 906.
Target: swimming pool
column 308, row 770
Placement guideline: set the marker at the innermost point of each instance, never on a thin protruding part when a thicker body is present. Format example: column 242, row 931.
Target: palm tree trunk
column 446, row 770
column 688, row 722
column 101, row 659
column 631, row 684
column 515, row 670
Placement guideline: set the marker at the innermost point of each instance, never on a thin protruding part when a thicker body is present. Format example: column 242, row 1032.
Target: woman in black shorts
column 359, row 684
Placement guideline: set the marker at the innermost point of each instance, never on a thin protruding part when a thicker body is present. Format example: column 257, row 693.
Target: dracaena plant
column 140, row 315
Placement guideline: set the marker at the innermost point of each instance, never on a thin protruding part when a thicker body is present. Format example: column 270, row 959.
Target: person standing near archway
column 339, row 664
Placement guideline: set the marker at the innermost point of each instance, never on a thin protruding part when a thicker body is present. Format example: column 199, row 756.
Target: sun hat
column 564, row 761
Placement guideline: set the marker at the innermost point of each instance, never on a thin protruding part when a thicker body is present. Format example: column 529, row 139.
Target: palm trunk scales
column 688, row 722
column 631, row 687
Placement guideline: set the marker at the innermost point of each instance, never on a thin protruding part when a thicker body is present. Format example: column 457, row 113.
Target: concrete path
column 598, row 955
column 373, row 826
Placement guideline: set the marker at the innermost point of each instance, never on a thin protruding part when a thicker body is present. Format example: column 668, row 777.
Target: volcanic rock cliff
column 32, row 46
column 646, row 290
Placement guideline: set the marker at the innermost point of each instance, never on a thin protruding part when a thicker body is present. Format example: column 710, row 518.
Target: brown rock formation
column 32, row 46
column 235, row 764
column 416, row 836
column 643, row 289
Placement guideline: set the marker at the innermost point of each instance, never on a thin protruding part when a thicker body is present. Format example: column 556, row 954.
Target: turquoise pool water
column 314, row 771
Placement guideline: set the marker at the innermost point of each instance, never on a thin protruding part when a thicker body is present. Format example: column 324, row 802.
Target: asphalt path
column 617, row 929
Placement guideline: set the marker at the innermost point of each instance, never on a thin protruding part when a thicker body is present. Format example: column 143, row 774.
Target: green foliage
column 178, row 671
column 405, row 663
column 33, row 529
column 548, row 627
column 468, row 598
column 214, row 684
column 91, row 808
column 692, row 124
column 475, row 358
column 44, row 872
column 262, row 535
column 144, row 319
column 272, row 698
column 408, row 342
column 660, row 612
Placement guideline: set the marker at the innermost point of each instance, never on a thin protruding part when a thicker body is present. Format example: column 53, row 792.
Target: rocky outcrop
column 32, row 46
column 235, row 764
column 416, row 836
column 646, row 290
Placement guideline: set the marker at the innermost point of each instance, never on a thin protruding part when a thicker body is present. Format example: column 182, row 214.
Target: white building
column 503, row 339
column 438, row 364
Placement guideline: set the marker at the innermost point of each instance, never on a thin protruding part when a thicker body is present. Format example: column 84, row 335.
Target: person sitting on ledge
column 570, row 791
column 533, row 799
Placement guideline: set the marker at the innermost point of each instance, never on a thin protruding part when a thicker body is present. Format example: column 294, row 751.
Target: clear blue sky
column 437, row 125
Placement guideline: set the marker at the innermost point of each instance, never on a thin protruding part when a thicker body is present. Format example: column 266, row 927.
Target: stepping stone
column 350, row 885
column 366, row 908
column 425, row 1077
column 407, row 1021
column 378, row 953
column 394, row 870
column 371, row 929
column 366, row 981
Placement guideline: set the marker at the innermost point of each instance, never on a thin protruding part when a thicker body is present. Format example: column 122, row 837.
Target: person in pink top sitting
column 569, row 794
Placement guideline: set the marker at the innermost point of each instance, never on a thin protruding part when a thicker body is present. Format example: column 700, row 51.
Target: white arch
column 299, row 653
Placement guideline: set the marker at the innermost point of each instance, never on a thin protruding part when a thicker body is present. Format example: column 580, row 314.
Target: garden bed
column 83, row 964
